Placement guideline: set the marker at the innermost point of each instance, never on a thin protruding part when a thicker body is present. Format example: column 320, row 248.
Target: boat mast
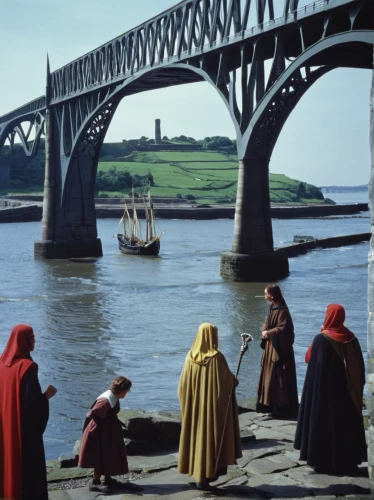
column 126, row 220
column 146, row 219
column 134, row 217
column 152, row 226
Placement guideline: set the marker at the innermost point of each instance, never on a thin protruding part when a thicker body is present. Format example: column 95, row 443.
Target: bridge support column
column 253, row 257
column 66, row 240
column 45, row 248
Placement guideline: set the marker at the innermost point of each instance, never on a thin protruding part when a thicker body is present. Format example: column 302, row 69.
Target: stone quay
column 269, row 468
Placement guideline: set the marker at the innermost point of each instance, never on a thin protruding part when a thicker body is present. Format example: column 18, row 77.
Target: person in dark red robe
column 24, row 412
column 277, row 385
column 103, row 447
column 330, row 431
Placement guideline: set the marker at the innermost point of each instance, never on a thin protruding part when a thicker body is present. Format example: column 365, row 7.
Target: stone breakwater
column 113, row 209
column 269, row 468
column 208, row 212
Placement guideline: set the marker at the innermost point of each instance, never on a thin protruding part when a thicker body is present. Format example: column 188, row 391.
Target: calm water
column 138, row 316
column 344, row 198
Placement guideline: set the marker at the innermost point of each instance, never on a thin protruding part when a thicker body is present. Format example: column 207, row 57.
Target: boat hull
column 149, row 248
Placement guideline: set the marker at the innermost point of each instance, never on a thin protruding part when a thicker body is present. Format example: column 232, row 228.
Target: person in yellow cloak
column 210, row 436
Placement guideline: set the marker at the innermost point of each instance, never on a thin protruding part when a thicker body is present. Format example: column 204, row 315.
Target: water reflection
column 75, row 351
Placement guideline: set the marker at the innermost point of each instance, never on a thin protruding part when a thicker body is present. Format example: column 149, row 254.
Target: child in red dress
column 103, row 448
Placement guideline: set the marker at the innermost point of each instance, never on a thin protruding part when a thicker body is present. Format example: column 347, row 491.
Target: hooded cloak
column 23, row 415
column 210, row 436
column 330, row 431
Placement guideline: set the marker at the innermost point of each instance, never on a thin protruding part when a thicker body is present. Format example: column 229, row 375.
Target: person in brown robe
column 330, row 431
column 210, row 436
column 102, row 447
column 277, row 385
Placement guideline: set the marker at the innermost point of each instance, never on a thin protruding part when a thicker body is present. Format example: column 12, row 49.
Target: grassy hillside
column 207, row 176
column 204, row 175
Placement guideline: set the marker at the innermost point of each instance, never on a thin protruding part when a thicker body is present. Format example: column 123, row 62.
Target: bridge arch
column 25, row 127
column 82, row 146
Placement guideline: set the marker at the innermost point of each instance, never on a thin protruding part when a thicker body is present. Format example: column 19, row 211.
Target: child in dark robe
column 103, row 448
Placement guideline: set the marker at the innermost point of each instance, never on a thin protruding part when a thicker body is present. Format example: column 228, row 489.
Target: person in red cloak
column 330, row 431
column 24, row 412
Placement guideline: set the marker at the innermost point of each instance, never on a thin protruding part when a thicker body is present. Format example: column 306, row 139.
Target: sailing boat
column 131, row 242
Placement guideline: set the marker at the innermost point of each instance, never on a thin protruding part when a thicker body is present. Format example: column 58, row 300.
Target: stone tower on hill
column 157, row 131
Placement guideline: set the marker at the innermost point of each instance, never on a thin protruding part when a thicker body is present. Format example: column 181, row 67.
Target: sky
column 324, row 142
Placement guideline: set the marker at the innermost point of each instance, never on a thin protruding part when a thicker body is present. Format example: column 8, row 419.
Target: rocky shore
column 269, row 468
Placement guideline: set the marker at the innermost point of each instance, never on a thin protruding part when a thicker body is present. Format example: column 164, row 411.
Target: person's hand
column 50, row 392
column 236, row 382
column 265, row 334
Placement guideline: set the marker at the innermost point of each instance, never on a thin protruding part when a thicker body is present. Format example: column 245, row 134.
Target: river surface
column 138, row 316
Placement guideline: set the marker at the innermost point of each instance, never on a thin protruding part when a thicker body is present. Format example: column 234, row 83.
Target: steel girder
column 192, row 27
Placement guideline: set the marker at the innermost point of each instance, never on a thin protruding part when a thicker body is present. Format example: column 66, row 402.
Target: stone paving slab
column 152, row 463
column 259, row 450
column 273, row 422
column 59, row 495
column 278, row 485
column 234, row 473
column 335, row 485
column 270, row 468
column 268, row 465
column 275, row 434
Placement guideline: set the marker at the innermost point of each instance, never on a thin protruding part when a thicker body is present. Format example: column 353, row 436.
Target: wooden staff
column 246, row 338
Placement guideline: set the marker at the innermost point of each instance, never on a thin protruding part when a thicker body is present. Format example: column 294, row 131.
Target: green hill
column 206, row 176
column 174, row 170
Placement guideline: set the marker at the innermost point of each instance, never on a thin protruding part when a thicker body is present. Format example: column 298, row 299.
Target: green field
column 208, row 176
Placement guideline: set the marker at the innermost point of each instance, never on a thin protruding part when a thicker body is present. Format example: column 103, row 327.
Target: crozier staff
column 24, row 412
column 277, row 385
column 210, row 437
column 330, row 431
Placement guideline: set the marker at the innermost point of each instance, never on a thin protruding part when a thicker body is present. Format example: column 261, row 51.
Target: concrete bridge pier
column 69, row 220
column 73, row 140
column 49, row 247
column 252, row 257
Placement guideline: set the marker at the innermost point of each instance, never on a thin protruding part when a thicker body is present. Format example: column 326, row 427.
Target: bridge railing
column 38, row 104
column 170, row 36
column 259, row 28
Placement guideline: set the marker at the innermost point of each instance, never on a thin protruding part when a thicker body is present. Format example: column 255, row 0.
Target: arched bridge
column 260, row 55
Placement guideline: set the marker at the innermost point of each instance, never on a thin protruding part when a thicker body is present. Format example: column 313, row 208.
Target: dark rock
column 162, row 427
column 141, row 428
column 134, row 447
column 166, row 429
column 68, row 461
